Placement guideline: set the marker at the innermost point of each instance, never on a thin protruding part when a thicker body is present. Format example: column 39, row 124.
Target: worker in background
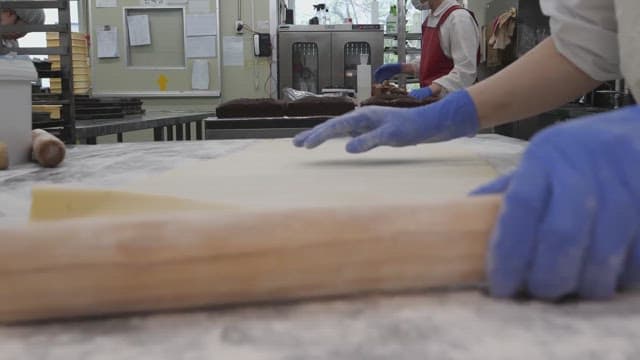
column 9, row 41
column 570, row 221
column 450, row 48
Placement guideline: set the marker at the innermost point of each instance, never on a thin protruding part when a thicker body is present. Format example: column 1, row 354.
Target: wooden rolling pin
column 91, row 267
column 4, row 157
column 48, row 150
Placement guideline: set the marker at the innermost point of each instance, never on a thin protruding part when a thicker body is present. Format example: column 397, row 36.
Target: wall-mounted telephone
column 262, row 44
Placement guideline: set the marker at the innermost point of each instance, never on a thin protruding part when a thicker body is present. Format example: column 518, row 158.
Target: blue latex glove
column 386, row 72
column 570, row 222
column 421, row 93
column 373, row 126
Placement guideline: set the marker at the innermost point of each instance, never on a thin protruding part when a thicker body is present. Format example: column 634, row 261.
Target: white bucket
column 15, row 107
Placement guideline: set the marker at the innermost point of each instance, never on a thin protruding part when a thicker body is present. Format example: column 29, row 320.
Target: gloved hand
column 373, row 126
column 570, row 222
column 386, row 72
column 421, row 93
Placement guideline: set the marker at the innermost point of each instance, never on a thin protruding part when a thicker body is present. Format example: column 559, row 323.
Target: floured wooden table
column 443, row 325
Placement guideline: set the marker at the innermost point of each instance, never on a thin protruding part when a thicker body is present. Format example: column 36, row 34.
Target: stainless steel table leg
column 187, row 128
column 179, row 132
column 170, row 133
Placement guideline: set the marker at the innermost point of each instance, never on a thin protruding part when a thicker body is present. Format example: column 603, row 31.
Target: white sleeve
column 464, row 38
column 585, row 32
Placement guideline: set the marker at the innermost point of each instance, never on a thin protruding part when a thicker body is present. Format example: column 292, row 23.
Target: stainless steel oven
column 317, row 57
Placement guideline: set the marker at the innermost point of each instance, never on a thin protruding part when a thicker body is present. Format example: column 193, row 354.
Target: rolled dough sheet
column 272, row 174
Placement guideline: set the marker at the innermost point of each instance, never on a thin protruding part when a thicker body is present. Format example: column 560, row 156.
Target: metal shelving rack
column 408, row 37
column 407, row 50
column 401, row 38
column 63, row 28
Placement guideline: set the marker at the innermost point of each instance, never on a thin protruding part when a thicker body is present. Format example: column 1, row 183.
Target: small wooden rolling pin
column 91, row 267
column 4, row 157
column 48, row 150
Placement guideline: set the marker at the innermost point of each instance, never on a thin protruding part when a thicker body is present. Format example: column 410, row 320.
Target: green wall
column 239, row 81
column 479, row 8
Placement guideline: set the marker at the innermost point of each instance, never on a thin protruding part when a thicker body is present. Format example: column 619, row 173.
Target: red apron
column 434, row 64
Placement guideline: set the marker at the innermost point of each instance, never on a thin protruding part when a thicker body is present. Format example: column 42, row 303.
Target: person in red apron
column 450, row 48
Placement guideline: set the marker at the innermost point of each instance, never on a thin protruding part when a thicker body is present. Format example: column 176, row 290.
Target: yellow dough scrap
column 56, row 203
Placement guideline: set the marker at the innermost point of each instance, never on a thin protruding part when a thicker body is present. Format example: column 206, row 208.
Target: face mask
column 420, row 5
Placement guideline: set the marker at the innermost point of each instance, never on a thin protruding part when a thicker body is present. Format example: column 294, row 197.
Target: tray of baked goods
column 388, row 94
column 385, row 94
column 271, row 118
column 271, row 108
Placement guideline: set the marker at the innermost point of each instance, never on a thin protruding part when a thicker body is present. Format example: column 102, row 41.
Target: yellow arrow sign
column 162, row 82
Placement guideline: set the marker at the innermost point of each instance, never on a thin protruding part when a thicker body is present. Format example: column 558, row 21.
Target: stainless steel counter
column 163, row 123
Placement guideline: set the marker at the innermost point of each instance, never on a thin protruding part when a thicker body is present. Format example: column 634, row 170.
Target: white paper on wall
column 139, row 31
column 106, row 3
column 201, row 24
column 107, row 42
column 201, row 47
column 200, row 75
column 233, row 51
column 152, row 3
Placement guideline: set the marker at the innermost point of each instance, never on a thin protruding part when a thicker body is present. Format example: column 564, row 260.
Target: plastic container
column 375, row 17
column 15, row 101
column 392, row 20
column 364, row 78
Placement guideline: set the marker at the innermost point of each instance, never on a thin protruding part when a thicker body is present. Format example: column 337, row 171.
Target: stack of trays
column 52, row 110
column 80, row 56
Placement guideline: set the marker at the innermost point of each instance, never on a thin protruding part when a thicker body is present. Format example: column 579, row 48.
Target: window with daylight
column 359, row 11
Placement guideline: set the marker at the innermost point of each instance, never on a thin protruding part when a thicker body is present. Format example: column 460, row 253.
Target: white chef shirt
column 585, row 32
column 459, row 39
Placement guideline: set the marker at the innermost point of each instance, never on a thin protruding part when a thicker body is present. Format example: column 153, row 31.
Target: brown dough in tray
column 387, row 88
column 249, row 108
column 401, row 101
column 313, row 105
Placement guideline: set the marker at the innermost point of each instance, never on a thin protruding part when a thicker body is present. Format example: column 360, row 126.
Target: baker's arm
column 582, row 52
column 387, row 71
column 412, row 68
column 540, row 81
column 569, row 221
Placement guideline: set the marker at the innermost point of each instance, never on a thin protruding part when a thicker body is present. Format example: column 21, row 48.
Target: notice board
column 162, row 64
